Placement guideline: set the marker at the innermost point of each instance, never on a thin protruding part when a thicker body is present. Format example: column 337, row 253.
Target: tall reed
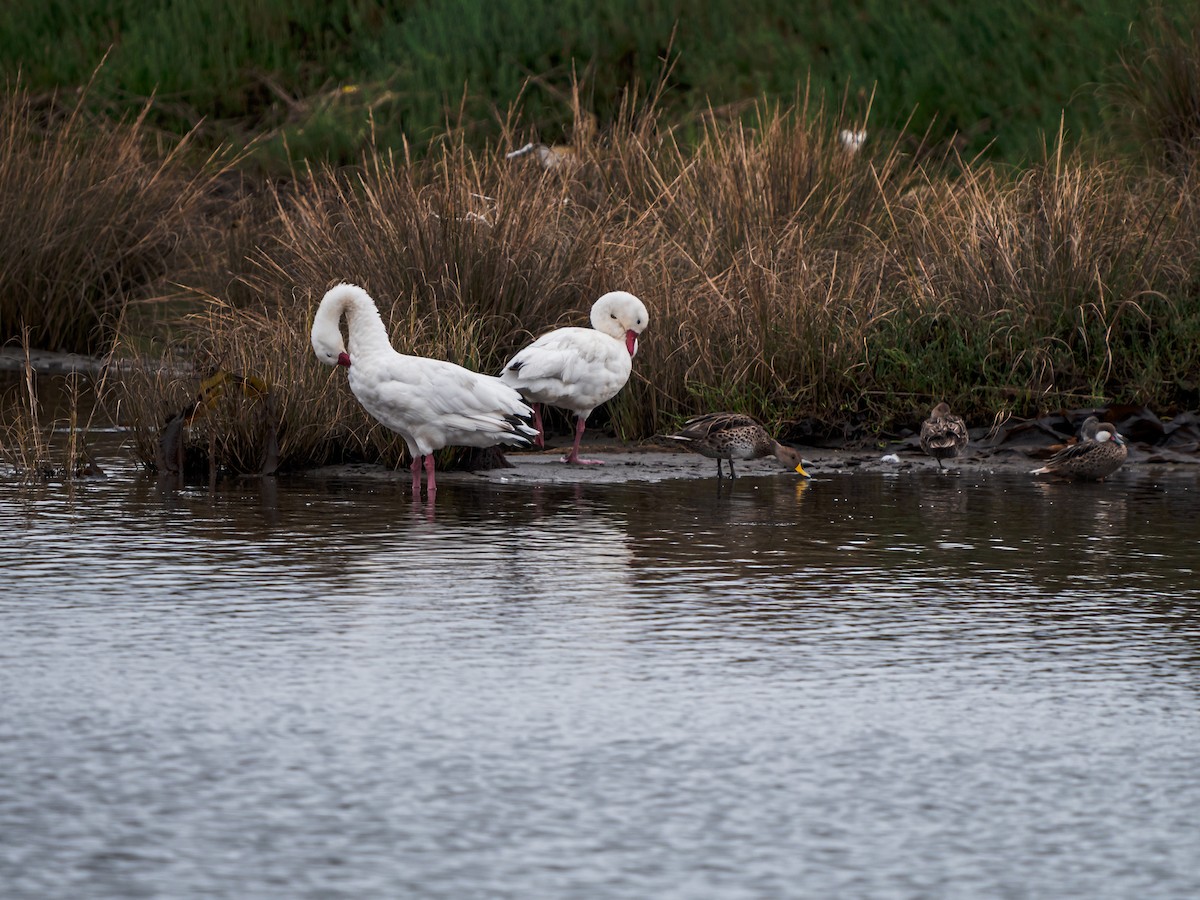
column 1070, row 283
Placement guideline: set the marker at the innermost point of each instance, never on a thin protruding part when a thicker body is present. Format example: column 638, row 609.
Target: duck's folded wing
column 1074, row 451
column 714, row 423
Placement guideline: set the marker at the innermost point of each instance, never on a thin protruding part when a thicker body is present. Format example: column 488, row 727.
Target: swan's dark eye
column 612, row 315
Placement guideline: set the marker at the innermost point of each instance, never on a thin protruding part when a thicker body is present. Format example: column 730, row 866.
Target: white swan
column 579, row 368
column 429, row 402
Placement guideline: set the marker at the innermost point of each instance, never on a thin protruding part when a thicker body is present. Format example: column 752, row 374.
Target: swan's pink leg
column 573, row 456
column 540, row 441
column 416, row 476
column 430, row 480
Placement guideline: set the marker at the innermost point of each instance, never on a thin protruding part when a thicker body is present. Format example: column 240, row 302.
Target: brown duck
column 731, row 436
column 943, row 434
column 1100, row 451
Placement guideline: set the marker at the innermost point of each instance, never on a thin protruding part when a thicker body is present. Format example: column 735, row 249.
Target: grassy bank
column 824, row 290
column 320, row 78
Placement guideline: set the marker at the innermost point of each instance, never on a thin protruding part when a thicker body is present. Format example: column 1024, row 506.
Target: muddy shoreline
column 650, row 462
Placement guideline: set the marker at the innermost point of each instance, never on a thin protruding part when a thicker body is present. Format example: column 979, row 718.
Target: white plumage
column 577, row 369
column 430, row 403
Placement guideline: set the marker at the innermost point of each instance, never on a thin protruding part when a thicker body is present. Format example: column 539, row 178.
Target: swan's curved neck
column 365, row 329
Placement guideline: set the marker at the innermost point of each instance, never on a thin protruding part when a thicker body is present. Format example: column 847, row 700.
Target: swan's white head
column 621, row 315
column 329, row 347
column 327, row 340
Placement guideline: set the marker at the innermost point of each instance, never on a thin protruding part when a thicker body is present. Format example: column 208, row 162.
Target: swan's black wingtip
column 522, row 428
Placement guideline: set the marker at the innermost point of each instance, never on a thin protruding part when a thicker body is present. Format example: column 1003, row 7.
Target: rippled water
column 862, row 686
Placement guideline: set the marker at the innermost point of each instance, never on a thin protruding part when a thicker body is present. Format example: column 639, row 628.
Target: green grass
column 319, row 78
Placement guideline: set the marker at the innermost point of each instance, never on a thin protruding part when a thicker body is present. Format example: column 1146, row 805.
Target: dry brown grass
column 90, row 216
column 766, row 264
column 275, row 412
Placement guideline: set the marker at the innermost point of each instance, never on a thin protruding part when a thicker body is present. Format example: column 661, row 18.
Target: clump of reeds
column 35, row 447
column 1063, row 284
column 237, row 393
column 91, row 214
column 764, row 242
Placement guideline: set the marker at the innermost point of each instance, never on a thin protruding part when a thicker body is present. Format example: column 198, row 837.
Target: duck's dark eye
column 612, row 315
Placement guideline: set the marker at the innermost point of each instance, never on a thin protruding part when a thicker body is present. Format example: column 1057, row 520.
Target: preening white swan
column 579, row 368
column 429, row 402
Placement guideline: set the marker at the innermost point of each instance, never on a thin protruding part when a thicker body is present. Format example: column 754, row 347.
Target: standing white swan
column 579, row 368
column 429, row 402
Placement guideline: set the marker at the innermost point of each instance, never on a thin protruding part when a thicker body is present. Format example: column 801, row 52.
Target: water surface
column 863, row 686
